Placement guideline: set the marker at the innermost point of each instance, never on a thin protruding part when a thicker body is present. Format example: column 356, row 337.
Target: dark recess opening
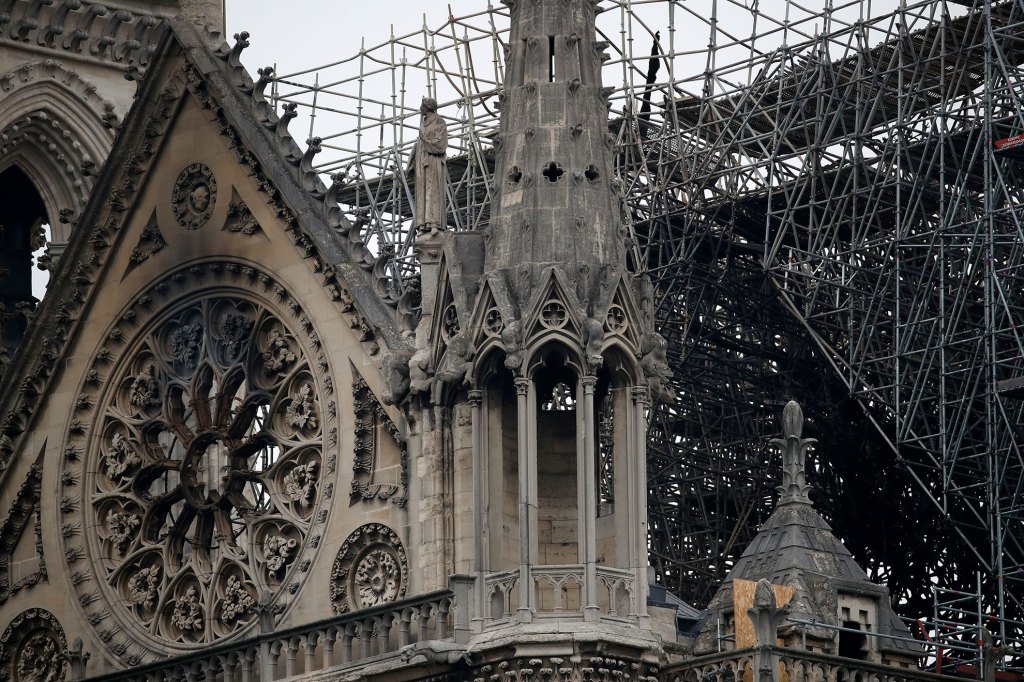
column 553, row 172
column 851, row 644
column 22, row 215
column 551, row 59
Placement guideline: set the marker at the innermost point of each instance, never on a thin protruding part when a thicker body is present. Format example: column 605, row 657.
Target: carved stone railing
column 558, row 592
column 360, row 636
column 790, row 665
column 499, row 597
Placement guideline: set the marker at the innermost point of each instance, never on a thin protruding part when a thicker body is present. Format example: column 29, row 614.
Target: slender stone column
column 481, row 519
column 636, row 472
column 527, row 501
column 588, row 507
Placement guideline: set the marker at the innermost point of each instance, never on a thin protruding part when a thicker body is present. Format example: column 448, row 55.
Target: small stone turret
column 825, row 595
column 537, row 329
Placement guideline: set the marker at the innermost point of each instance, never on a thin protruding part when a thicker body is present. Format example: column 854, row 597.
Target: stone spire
column 794, row 486
column 555, row 201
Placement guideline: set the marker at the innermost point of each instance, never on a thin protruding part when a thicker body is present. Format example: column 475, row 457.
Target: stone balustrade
column 558, row 591
column 274, row 655
column 793, row 665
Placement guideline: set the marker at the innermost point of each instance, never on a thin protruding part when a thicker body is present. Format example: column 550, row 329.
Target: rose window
column 207, row 470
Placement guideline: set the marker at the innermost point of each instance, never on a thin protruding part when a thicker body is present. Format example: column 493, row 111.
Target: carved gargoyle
column 654, row 362
column 593, row 338
column 420, row 379
column 458, row 364
column 395, row 371
column 512, row 340
column 442, row 653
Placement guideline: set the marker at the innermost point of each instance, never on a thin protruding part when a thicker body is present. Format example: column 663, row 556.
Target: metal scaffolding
column 829, row 205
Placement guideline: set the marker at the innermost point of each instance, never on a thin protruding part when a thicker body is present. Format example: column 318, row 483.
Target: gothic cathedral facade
column 224, row 421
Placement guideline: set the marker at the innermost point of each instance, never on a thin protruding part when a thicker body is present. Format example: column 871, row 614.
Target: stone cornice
column 86, row 30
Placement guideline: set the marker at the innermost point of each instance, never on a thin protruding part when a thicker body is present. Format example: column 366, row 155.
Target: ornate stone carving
column 553, row 315
column 194, row 196
column 185, row 342
column 142, row 587
column 277, row 551
column 369, row 415
column 150, row 242
column 300, row 413
column 277, row 355
column 377, row 579
column 300, row 483
column 240, row 218
column 200, row 461
column 654, row 362
column 237, row 602
column 794, row 448
column 493, row 322
column 186, row 614
column 450, row 322
column 23, row 512
column 371, row 568
column 615, row 319
column 121, row 527
column 33, row 648
column 119, row 457
column 145, row 389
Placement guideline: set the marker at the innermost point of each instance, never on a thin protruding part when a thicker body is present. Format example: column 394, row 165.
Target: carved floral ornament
column 371, row 569
column 201, row 484
column 194, row 196
column 33, row 648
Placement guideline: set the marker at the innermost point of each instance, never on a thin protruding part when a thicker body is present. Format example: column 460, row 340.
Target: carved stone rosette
column 33, row 648
column 202, row 461
column 371, row 569
column 194, row 196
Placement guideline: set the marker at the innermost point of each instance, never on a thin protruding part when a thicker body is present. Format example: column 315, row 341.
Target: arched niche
column 52, row 123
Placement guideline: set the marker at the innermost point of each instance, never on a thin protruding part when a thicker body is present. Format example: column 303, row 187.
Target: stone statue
column 428, row 165
column 654, row 362
column 458, row 364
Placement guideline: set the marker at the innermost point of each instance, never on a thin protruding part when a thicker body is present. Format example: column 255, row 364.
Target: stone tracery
column 371, row 569
column 206, row 480
column 33, row 648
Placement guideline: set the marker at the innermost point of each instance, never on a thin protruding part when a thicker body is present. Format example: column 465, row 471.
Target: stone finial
column 794, row 486
column 265, row 611
column 78, row 659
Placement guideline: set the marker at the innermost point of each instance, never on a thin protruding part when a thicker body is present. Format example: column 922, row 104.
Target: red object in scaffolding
column 1010, row 142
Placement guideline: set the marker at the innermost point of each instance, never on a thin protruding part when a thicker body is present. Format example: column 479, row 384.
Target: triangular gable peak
column 197, row 324
column 187, row 69
column 553, row 309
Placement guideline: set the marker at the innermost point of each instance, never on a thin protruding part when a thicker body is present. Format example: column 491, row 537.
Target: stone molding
column 88, row 30
column 369, row 414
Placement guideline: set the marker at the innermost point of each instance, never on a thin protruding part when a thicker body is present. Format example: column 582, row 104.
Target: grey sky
column 307, row 33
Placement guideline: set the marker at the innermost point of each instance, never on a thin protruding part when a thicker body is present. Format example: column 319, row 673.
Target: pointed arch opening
column 556, row 382
column 23, row 222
